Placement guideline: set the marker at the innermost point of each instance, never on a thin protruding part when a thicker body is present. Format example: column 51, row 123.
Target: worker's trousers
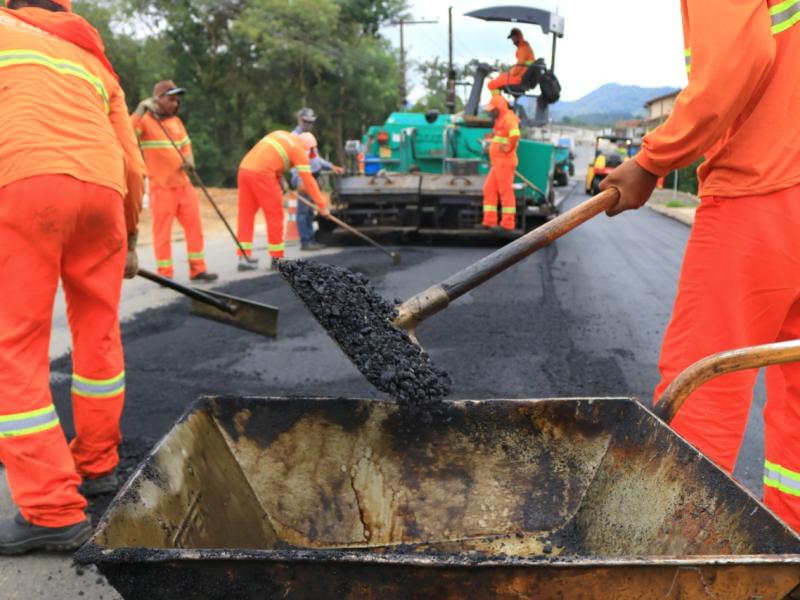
column 261, row 190
column 500, row 184
column 503, row 80
column 76, row 234
column 740, row 286
column 168, row 204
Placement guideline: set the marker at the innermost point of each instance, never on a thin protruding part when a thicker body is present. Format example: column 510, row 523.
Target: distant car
column 610, row 152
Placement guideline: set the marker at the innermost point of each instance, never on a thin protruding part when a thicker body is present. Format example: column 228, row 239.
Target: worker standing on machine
column 503, row 162
column 525, row 58
column 167, row 151
column 740, row 281
column 71, row 183
column 259, row 179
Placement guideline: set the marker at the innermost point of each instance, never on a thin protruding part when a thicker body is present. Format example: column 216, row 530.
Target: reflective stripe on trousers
column 29, row 422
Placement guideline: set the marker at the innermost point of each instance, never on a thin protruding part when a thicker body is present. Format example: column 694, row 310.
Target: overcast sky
column 636, row 42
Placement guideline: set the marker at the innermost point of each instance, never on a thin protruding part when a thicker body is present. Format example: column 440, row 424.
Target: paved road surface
column 581, row 318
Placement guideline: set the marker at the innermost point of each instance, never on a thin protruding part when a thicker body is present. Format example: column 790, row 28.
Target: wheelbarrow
column 352, row 499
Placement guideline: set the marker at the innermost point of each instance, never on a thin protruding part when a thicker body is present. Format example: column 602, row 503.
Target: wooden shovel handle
column 418, row 308
column 715, row 365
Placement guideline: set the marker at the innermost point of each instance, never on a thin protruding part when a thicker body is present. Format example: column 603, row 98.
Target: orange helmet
column 497, row 103
column 308, row 139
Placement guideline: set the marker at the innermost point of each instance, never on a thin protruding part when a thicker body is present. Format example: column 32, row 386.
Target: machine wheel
column 572, row 169
column 595, row 186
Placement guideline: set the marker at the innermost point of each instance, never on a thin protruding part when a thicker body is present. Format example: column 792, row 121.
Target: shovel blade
column 251, row 316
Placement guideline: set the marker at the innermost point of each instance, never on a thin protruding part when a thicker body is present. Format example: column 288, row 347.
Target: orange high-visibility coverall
column 171, row 192
column 503, row 160
column 740, row 282
column 525, row 58
column 259, row 186
column 71, row 180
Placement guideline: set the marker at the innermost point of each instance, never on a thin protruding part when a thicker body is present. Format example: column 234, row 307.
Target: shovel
column 239, row 312
column 395, row 256
column 374, row 344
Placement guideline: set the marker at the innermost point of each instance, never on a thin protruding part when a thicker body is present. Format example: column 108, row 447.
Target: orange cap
column 65, row 4
column 308, row 139
column 496, row 103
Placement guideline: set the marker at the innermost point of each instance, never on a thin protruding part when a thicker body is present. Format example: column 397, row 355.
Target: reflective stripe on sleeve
column 29, row 422
column 98, row 388
column 781, row 478
column 687, row 57
column 784, row 15
column 303, row 168
column 528, row 63
column 514, row 133
column 498, row 139
column 12, row 58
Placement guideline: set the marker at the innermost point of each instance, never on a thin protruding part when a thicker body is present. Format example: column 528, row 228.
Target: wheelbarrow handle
column 418, row 308
column 190, row 292
column 715, row 365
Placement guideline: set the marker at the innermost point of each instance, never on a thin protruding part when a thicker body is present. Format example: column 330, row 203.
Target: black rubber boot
column 311, row 247
column 247, row 265
column 205, row 277
column 102, row 485
column 18, row 536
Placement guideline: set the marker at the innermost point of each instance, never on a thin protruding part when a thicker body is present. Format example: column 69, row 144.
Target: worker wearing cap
column 525, row 59
column 503, row 161
column 305, row 215
column 168, row 154
column 260, row 174
column 71, row 183
column 740, row 281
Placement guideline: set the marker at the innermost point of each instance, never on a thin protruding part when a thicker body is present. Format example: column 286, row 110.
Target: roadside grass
column 677, row 204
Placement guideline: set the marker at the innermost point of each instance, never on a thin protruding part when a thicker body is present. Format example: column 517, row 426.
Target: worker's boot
column 205, row 277
column 18, row 536
column 273, row 263
column 247, row 264
column 311, row 247
column 104, row 484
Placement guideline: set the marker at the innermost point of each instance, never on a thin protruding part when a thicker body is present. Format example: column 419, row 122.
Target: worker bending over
column 305, row 215
column 740, row 281
column 71, row 181
column 259, row 179
column 503, row 162
column 525, row 59
column 168, row 154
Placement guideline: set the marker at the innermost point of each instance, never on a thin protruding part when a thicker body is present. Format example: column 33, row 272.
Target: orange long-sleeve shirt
column 277, row 153
column 525, row 58
column 64, row 113
column 741, row 106
column 164, row 164
column 506, row 134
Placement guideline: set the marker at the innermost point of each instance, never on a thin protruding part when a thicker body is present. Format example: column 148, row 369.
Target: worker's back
column 55, row 99
column 742, row 103
column 276, row 152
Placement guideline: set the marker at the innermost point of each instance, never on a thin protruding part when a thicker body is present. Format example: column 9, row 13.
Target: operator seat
column 530, row 79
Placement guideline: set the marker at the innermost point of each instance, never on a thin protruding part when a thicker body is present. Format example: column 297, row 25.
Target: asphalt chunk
column 360, row 321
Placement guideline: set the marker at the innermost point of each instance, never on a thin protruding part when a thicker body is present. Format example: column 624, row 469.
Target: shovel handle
column 427, row 303
column 187, row 291
column 715, row 365
column 346, row 226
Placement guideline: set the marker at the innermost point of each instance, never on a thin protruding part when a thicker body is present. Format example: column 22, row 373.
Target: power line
column 402, row 22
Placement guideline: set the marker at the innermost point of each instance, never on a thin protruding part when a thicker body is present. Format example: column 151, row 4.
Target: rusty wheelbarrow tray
column 346, row 498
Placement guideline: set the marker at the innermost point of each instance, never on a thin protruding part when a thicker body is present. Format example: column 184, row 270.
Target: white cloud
column 637, row 42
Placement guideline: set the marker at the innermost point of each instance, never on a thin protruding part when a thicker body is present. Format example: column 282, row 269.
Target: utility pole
column 451, row 74
column 402, row 22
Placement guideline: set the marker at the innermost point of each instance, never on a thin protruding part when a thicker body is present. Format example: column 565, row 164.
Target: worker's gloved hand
column 188, row 163
column 338, row 170
column 325, row 211
column 131, row 259
column 148, row 104
column 635, row 185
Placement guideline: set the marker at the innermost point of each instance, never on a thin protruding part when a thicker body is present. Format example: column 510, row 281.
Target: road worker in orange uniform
column 503, row 160
column 525, row 59
column 260, row 174
column 168, row 154
column 740, row 281
column 71, row 181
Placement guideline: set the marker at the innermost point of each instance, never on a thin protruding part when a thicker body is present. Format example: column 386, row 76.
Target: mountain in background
column 608, row 104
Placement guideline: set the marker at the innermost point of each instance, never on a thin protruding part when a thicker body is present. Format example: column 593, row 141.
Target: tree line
column 250, row 64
